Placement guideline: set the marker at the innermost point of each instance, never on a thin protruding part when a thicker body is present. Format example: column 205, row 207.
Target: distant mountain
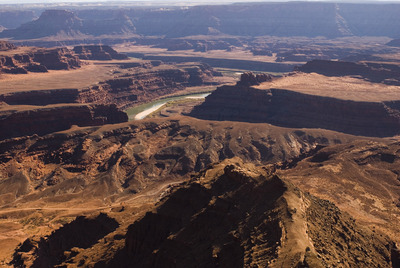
column 310, row 19
column 394, row 43
column 276, row 19
column 13, row 18
column 63, row 23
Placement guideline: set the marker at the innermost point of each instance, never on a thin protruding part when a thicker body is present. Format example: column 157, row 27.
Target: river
column 141, row 111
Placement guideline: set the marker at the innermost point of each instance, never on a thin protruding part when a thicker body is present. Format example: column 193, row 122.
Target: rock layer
column 138, row 84
column 292, row 109
column 22, row 121
column 39, row 60
column 98, row 52
column 374, row 72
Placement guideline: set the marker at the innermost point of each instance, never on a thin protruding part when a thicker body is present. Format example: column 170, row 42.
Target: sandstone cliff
column 83, row 232
column 374, row 72
column 38, row 60
column 98, row 52
column 21, row 121
column 293, row 109
column 137, row 84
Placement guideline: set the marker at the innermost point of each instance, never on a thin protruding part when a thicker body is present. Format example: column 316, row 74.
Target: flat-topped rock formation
column 16, row 121
column 294, row 109
column 98, row 52
column 374, row 72
column 24, row 60
column 144, row 84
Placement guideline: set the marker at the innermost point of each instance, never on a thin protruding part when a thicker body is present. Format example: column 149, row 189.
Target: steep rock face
column 293, row 109
column 40, row 60
column 119, row 24
column 41, row 97
column 236, row 215
column 44, row 120
column 374, row 72
column 146, row 85
column 98, row 52
column 57, row 59
column 83, row 232
column 138, row 85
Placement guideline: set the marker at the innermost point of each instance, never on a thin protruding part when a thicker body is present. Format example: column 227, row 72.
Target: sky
column 171, row 1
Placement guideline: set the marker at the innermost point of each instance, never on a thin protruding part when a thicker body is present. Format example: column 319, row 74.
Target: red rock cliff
column 292, row 109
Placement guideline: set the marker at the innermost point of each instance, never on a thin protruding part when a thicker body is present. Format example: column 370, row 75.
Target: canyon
column 295, row 164
column 289, row 108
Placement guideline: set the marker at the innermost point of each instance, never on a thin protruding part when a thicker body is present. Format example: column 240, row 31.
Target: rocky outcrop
column 293, row 109
column 374, row 72
column 81, row 233
column 235, row 215
column 39, row 60
column 98, row 52
column 4, row 45
column 57, row 59
column 249, row 79
column 21, row 121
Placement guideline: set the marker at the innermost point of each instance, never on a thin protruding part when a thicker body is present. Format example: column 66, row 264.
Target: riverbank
column 142, row 111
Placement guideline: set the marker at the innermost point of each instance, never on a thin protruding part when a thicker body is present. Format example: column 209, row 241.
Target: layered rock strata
column 293, row 109
column 98, row 52
column 374, row 72
column 22, row 121
column 135, row 86
column 40, row 60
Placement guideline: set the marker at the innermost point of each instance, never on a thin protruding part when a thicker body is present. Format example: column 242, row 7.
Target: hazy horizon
column 176, row 2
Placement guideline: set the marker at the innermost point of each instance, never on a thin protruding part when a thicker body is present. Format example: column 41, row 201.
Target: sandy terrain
column 84, row 76
column 346, row 88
